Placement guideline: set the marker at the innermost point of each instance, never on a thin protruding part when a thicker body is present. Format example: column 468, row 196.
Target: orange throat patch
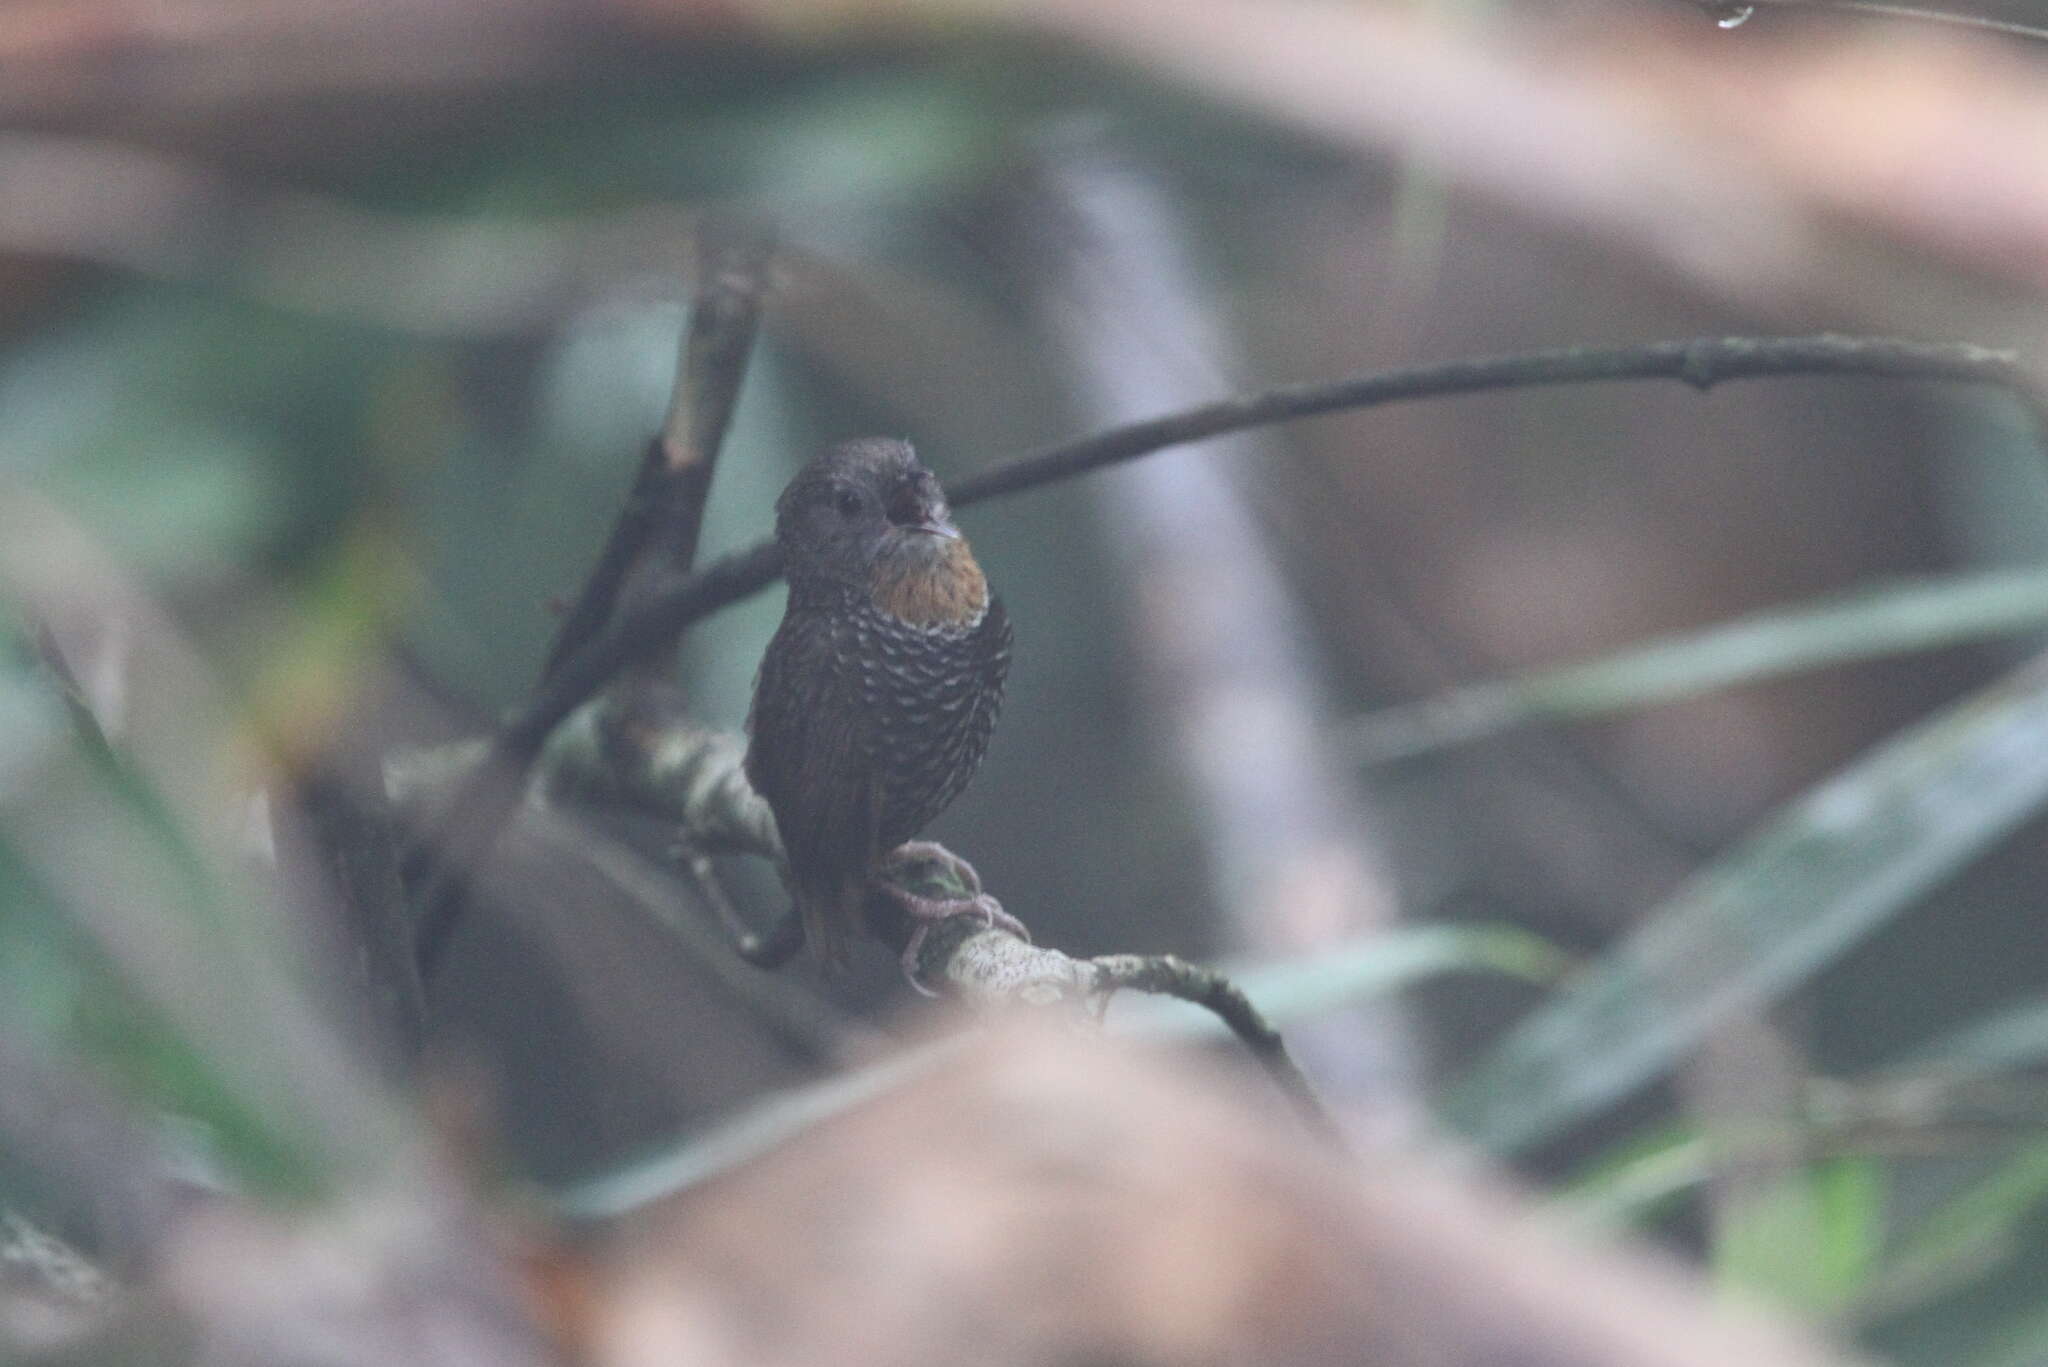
column 942, row 589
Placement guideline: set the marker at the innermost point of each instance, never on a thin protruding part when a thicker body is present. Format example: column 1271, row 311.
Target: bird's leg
column 926, row 863
column 775, row 948
column 770, row 950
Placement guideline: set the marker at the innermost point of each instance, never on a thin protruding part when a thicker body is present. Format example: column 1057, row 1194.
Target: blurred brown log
column 1049, row 1199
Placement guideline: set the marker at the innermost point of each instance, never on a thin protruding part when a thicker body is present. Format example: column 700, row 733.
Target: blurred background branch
column 1989, row 18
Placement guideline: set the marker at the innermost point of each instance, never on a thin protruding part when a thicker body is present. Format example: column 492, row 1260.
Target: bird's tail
column 830, row 915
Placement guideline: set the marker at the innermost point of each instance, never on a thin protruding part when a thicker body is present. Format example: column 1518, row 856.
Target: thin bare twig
column 1168, row 975
column 1700, row 362
column 989, row 968
column 493, row 790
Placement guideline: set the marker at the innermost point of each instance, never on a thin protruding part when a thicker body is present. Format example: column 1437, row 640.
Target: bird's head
column 867, row 515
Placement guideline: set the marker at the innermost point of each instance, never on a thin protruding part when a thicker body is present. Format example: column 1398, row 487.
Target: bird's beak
column 935, row 526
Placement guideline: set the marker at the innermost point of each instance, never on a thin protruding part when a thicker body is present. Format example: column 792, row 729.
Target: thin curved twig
column 989, row 967
column 493, row 790
column 1700, row 362
column 1168, row 975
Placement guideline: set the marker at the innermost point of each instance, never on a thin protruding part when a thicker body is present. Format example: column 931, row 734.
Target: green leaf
column 1627, row 1187
column 93, row 1008
column 1906, row 616
column 158, row 969
column 1831, row 869
column 1969, row 1231
column 2016, row 1038
column 1808, row 1242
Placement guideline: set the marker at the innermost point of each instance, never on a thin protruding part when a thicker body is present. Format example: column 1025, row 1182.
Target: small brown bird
column 878, row 693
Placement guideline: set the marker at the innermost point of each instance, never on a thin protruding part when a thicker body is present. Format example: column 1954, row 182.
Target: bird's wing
column 810, row 758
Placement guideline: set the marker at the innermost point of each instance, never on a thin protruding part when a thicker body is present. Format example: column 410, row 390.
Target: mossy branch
column 695, row 779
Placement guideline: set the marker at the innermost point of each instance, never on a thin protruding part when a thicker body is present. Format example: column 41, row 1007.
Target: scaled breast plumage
column 932, row 693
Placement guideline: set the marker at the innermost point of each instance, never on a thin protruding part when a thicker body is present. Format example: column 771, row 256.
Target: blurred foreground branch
column 1732, row 13
column 1043, row 1198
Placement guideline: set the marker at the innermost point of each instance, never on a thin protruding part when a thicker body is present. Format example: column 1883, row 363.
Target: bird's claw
column 927, row 912
column 903, row 861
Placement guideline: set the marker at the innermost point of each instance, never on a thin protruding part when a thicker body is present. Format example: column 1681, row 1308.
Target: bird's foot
column 927, row 912
column 927, row 864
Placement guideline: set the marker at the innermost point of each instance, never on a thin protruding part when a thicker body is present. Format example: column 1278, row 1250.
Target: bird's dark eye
column 847, row 502
column 906, row 508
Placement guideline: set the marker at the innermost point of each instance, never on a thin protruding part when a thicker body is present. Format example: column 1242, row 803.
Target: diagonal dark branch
column 493, row 791
column 733, row 273
column 651, row 547
column 659, row 526
column 594, row 604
